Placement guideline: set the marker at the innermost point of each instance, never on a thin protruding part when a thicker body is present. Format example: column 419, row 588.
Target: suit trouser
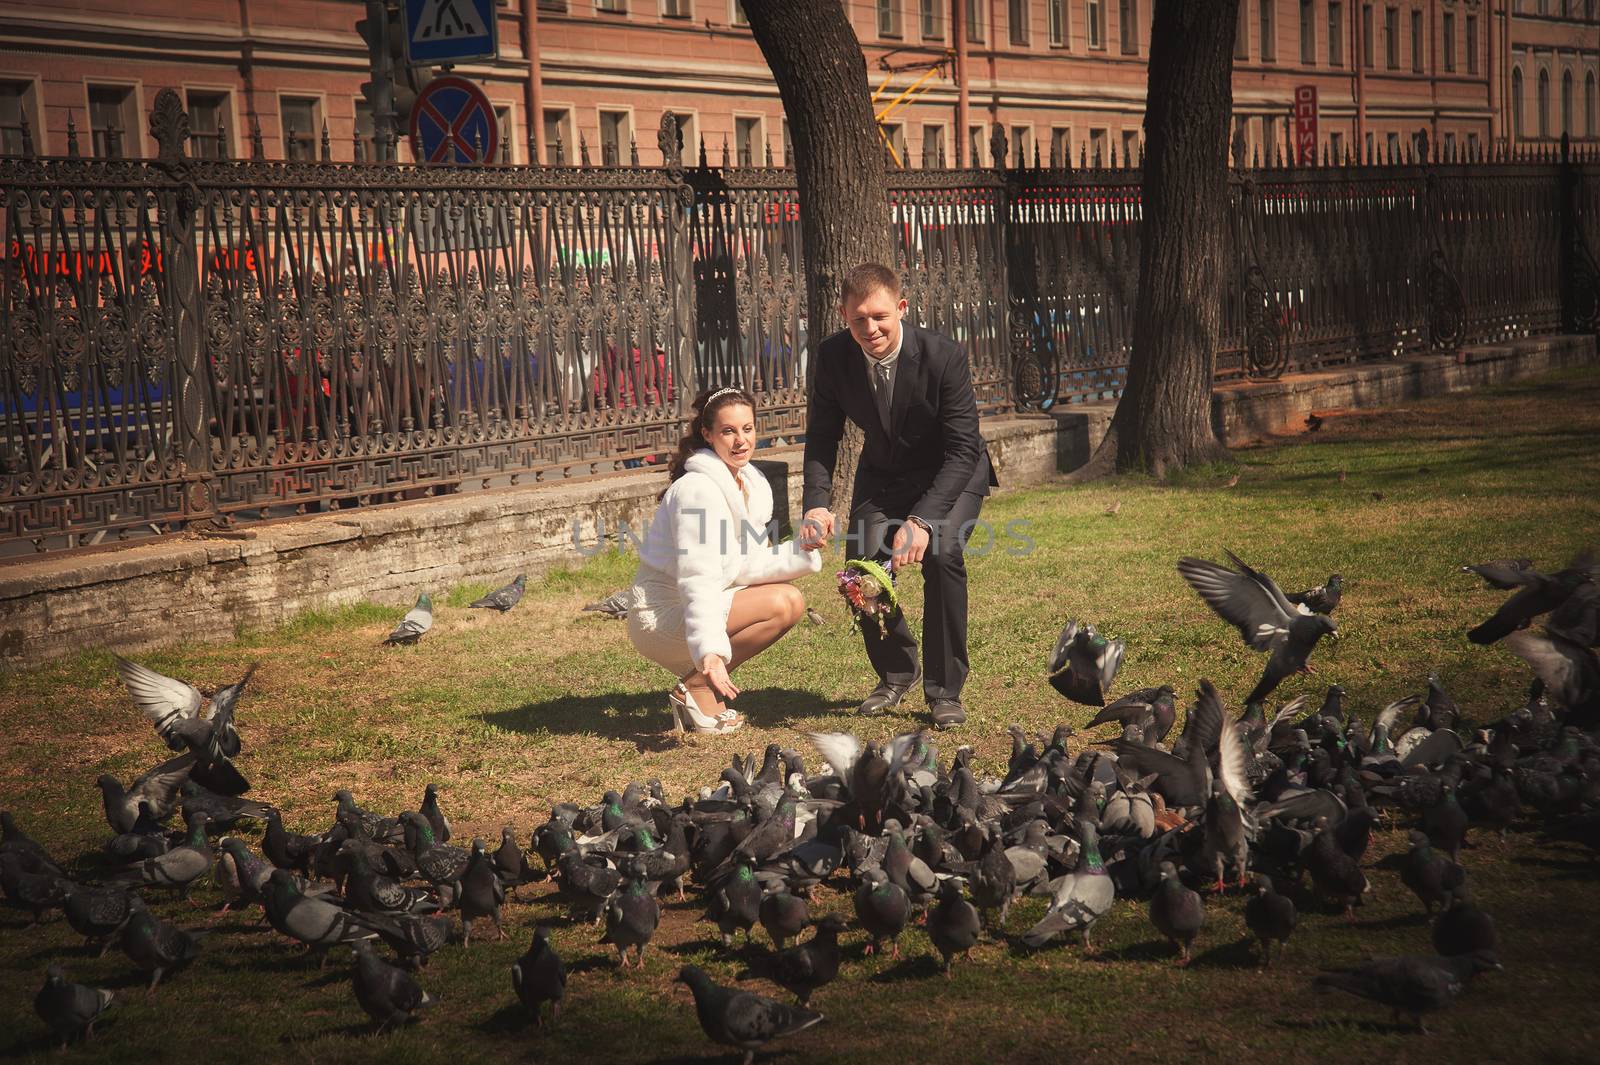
column 893, row 652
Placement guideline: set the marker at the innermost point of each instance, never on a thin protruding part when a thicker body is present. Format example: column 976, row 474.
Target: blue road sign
column 450, row 31
column 453, row 122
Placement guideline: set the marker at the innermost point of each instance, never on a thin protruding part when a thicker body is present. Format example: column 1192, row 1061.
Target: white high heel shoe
column 687, row 718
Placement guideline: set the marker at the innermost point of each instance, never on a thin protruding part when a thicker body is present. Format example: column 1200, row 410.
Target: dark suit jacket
column 932, row 450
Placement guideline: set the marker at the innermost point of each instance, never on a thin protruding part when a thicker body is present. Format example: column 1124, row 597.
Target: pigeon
column 415, row 937
column 631, row 920
column 1322, row 599
column 1571, row 673
column 287, row 850
column 69, row 1009
column 440, row 864
column 157, row 947
column 95, row 914
column 1084, row 664
column 510, row 863
column 1079, row 898
column 1463, row 928
column 435, row 816
column 1252, row 602
column 741, row 1019
column 1176, row 911
column 805, row 967
column 179, row 868
column 1503, row 573
column 1536, row 594
column 38, row 893
column 1153, row 709
column 387, row 992
column 158, row 789
column 1227, row 833
column 1432, row 877
column 953, row 923
column 883, row 909
column 1411, row 984
column 481, row 893
column 784, row 916
column 1270, row 917
column 503, row 599
column 371, row 892
column 539, row 976
column 1445, row 822
column 316, row 922
column 736, row 901
column 174, row 709
column 1335, row 875
column 418, row 620
column 994, row 879
column 616, row 605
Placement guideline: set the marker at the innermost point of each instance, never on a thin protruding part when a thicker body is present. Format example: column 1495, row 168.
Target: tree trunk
column 821, row 73
column 1163, row 421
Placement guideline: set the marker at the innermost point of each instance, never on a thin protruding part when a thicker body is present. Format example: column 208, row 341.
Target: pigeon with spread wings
column 1253, row 603
column 186, row 721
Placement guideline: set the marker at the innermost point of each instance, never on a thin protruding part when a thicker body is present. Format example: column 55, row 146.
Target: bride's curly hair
column 705, row 406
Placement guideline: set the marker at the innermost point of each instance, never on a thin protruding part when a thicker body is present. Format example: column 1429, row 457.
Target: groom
column 923, row 473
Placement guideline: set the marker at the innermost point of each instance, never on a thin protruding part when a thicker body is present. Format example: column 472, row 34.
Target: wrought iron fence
column 188, row 341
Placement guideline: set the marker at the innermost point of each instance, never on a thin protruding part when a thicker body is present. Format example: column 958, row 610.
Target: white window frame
column 132, row 144
column 601, row 110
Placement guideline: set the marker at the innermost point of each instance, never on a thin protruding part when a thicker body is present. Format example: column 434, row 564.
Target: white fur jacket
column 705, row 539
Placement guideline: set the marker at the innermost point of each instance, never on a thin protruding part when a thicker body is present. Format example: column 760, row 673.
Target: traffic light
column 378, row 91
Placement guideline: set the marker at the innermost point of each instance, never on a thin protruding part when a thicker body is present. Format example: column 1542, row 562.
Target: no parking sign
column 453, row 122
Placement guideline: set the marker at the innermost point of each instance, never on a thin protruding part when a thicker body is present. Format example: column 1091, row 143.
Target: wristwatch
column 922, row 523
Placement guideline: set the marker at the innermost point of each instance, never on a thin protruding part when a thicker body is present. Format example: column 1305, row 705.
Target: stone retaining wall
column 132, row 596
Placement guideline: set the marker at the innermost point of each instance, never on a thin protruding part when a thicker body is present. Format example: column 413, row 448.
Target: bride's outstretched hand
column 715, row 670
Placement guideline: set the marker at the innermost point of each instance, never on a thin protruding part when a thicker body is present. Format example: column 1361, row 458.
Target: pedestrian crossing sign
column 450, row 31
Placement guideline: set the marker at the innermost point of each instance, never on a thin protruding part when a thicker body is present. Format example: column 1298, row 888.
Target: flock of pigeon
column 1265, row 802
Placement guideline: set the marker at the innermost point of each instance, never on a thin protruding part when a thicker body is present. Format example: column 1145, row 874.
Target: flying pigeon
column 1084, row 663
column 1537, row 593
column 741, row 1019
column 1323, row 599
column 174, row 708
column 503, row 599
column 1251, row 602
column 418, row 620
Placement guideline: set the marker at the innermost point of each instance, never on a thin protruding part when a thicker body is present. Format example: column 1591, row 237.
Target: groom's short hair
column 862, row 281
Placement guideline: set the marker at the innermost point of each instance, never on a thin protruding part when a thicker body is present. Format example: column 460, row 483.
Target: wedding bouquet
column 868, row 589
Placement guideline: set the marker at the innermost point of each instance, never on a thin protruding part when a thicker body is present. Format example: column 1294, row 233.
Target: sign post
column 450, row 31
column 1305, row 124
column 453, row 123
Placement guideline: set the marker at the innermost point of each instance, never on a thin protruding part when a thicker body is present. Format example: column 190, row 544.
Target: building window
column 748, row 142
column 16, row 101
column 300, row 118
column 1308, row 32
column 1336, row 34
column 1393, row 147
column 1366, row 36
column 365, row 148
column 502, row 120
column 1448, row 28
column 889, row 18
column 1416, row 41
column 1336, row 148
column 976, row 28
column 1590, row 119
column 1241, row 33
column 737, row 17
column 558, row 146
column 1269, row 32
column 209, row 137
column 933, row 20
column 894, row 137
column 1516, row 103
column 1472, row 44
column 1017, row 16
column 612, row 7
column 975, row 146
column 677, row 8
column 1271, row 143
column 1391, row 37
column 1543, row 103
column 1472, row 146
column 1128, row 26
column 933, row 145
column 112, row 124
column 615, row 136
column 1130, row 147
column 1566, row 103
column 1450, row 147
column 1098, row 145
column 1056, row 19
column 1094, row 22
column 1022, row 145
column 1060, row 147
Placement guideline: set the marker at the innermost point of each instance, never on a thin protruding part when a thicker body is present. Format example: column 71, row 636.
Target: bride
column 712, row 591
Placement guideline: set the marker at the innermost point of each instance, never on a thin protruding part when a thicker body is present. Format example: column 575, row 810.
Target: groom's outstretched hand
column 816, row 528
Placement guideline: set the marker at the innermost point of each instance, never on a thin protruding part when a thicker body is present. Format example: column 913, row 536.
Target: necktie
column 880, row 374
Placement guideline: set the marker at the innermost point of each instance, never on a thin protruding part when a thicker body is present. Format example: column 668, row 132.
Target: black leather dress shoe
column 887, row 696
column 947, row 713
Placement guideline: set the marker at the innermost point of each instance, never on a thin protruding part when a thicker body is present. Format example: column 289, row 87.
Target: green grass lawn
column 509, row 713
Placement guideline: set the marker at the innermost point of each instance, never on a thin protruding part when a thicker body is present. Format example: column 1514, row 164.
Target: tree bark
column 821, row 73
column 1163, row 421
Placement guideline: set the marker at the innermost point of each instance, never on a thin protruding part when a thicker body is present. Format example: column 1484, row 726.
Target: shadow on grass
column 1240, row 954
column 919, row 968
column 642, row 717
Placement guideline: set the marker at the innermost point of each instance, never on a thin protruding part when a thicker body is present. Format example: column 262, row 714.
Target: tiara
column 719, row 393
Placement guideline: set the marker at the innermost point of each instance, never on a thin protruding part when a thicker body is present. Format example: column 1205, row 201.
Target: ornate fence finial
column 257, row 149
column 724, row 151
column 27, row 135
column 583, row 149
column 327, row 144
column 669, row 138
column 169, row 125
column 222, row 139
column 633, row 150
column 72, row 136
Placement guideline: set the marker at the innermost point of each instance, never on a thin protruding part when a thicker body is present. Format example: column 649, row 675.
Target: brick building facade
column 1059, row 76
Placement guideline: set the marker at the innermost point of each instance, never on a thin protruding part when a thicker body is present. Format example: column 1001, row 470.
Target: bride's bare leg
column 760, row 615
